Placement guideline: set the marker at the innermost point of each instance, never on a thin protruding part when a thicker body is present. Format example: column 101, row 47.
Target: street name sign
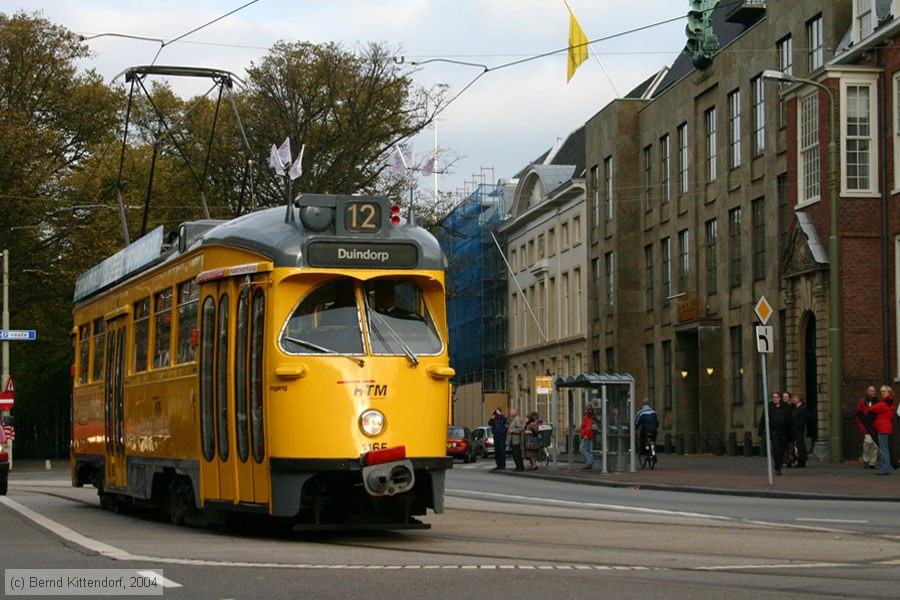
column 17, row 335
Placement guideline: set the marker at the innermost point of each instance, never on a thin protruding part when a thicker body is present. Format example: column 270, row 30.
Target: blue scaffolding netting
column 476, row 288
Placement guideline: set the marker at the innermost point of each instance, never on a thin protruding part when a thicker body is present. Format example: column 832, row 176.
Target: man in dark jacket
column 779, row 429
column 799, row 419
column 499, row 427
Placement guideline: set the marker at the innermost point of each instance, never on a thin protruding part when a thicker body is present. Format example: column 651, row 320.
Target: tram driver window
column 84, row 345
column 188, row 294
column 325, row 321
column 399, row 320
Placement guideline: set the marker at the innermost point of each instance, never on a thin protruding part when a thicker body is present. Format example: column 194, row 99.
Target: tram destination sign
column 7, row 335
column 362, row 256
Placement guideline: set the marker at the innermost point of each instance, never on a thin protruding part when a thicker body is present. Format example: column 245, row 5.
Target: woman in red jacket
column 884, row 425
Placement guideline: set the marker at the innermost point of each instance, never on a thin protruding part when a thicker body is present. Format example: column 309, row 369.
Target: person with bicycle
column 646, row 421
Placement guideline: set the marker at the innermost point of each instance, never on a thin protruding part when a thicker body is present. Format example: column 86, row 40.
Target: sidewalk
column 734, row 475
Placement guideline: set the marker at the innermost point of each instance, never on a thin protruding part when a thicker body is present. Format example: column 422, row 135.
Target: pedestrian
column 498, row 425
column 799, row 421
column 883, row 421
column 867, row 428
column 790, row 451
column 532, row 440
column 587, row 438
column 516, row 427
column 779, row 426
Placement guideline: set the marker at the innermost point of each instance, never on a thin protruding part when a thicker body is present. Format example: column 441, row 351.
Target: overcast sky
column 509, row 117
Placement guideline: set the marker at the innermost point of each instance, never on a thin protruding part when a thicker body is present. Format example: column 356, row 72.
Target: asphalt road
column 500, row 537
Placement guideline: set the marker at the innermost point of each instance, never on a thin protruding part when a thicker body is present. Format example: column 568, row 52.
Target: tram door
column 251, row 476
column 216, row 471
column 114, row 404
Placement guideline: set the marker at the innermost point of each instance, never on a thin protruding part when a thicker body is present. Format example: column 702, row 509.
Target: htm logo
column 372, row 390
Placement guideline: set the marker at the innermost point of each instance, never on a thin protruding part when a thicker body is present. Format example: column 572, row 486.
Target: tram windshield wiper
column 324, row 350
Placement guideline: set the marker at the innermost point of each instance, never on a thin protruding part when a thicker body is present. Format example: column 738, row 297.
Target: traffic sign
column 763, row 310
column 764, row 342
column 17, row 335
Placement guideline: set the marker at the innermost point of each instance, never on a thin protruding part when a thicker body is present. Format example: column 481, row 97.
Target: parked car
column 460, row 444
column 484, row 441
column 4, row 462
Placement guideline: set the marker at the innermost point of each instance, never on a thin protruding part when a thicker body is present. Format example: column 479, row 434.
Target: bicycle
column 648, row 451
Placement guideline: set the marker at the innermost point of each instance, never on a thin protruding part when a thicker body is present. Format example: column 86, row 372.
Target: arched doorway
column 808, row 375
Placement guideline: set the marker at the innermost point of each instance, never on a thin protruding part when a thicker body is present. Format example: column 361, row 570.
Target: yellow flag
column 578, row 50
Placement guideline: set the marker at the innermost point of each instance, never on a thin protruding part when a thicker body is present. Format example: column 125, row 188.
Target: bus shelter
column 612, row 396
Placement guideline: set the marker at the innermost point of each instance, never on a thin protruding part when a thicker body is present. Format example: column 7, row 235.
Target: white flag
column 427, row 164
column 275, row 161
column 284, row 151
column 297, row 167
column 396, row 160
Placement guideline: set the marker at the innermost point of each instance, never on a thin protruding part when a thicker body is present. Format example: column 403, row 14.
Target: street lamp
column 835, row 371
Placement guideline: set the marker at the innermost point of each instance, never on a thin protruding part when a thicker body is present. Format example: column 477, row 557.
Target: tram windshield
column 399, row 321
column 327, row 321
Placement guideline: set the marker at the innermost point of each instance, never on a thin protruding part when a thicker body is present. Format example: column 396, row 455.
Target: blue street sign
column 17, row 334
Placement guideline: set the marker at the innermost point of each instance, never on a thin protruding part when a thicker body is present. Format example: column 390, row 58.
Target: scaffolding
column 476, row 289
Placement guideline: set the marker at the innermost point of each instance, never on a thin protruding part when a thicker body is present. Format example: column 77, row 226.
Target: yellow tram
column 290, row 362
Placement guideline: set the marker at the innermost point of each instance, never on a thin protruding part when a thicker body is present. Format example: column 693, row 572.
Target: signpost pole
column 765, row 346
column 5, row 365
column 765, row 387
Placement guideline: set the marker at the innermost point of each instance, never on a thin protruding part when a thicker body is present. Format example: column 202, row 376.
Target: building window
column 809, row 164
column 648, row 179
column 666, row 270
column 595, row 193
column 683, row 158
column 710, row 121
column 785, row 65
column 564, row 235
column 781, row 190
column 734, row 232
column 758, row 208
column 608, row 186
column 863, row 19
column 595, row 273
column 610, row 283
column 551, row 241
column 667, row 374
column 814, row 43
column 712, row 257
column 566, row 328
column 578, row 308
column 737, row 366
column 857, row 106
column 896, row 106
column 734, row 129
column 650, row 363
column 684, row 262
column 576, row 230
column 759, row 116
column 648, row 270
column 664, row 160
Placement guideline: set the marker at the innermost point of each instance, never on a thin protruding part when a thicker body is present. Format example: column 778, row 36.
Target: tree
column 53, row 122
column 349, row 109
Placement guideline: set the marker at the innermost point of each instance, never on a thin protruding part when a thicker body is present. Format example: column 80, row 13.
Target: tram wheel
column 180, row 502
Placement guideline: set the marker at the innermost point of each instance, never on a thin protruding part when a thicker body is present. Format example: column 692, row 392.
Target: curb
column 664, row 487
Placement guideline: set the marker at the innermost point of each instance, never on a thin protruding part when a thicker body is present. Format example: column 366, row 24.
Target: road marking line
column 159, row 579
column 596, row 505
column 814, row 520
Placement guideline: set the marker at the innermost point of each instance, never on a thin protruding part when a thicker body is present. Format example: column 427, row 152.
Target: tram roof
column 268, row 232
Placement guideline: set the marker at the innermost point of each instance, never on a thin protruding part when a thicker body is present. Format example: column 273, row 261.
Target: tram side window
column 257, row 337
column 188, row 294
column 84, row 355
column 240, row 374
column 141, row 334
column 222, row 377
column 207, row 346
column 325, row 321
column 99, row 343
column 163, row 332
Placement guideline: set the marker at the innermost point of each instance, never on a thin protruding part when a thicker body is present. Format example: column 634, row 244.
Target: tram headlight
column 372, row 422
